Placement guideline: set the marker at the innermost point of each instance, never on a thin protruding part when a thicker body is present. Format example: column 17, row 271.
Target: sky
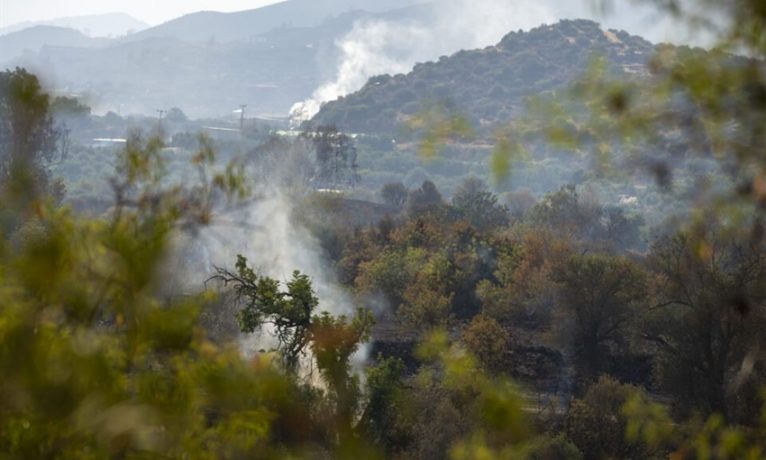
column 626, row 14
column 152, row 12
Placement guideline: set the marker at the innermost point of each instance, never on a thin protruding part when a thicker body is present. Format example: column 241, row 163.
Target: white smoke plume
column 275, row 245
column 375, row 47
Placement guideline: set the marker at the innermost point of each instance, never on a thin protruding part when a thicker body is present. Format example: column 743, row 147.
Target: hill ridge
column 488, row 85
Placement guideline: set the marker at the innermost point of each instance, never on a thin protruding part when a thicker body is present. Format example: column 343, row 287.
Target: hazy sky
column 626, row 14
column 151, row 11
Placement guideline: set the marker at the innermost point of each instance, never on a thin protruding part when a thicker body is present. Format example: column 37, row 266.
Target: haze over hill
column 245, row 25
column 288, row 57
column 34, row 39
column 97, row 25
column 268, row 72
column 489, row 85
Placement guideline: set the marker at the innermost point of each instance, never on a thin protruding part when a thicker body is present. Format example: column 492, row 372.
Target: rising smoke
column 375, row 47
column 269, row 229
column 266, row 232
column 276, row 245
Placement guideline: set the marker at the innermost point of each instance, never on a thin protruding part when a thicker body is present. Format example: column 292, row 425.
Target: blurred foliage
column 97, row 363
column 436, row 124
column 688, row 103
column 487, row 340
column 596, row 425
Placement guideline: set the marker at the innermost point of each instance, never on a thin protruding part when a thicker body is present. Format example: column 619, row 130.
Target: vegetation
column 489, row 326
column 487, row 86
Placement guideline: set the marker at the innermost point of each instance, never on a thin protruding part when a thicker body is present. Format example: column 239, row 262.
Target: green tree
column 523, row 289
column 299, row 329
column 708, row 323
column 69, row 107
column 425, row 199
column 596, row 425
column 385, row 388
column 600, row 295
column 176, row 115
column 487, row 340
column 394, row 194
column 478, row 206
column 333, row 341
column 28, row 137
column 289, row 312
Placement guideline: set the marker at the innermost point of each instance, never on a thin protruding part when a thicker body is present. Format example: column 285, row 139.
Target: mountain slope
column 98, row 25
column 244, row 25
column 35, row 38
column 268, row 73
column 488, row 85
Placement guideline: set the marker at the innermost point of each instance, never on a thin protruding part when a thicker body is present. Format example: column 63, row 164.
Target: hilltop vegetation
column 489, row 86
column 226, row 289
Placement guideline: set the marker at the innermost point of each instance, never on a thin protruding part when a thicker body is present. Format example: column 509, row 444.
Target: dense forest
column 552, row 248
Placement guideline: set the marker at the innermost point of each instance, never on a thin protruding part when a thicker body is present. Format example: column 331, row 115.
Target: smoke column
column 275, row 244
column 375, row 47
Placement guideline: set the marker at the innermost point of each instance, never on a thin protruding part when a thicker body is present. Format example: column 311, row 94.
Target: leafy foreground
column 97, row 362
column 100, row 361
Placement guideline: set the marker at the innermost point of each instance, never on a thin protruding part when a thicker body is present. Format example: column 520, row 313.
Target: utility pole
column 242, row 117
column 159, row 120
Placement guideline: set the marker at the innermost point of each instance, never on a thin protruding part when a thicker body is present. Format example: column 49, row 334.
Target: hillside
column 96, row 25
column 488, row 85
column 35, row 38
column 245, row 25
column 269, row 72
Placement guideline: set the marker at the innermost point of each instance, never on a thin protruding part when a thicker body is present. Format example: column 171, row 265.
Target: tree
column 335, row 155
column 523, row 288
column 425, row 199
column 425, row 306
column 565, row 213
column 332, row 340
column 176, row 115
column 69, row 107
column 600, row 294
column 386, row 274
column 708, row 323
column 478, row 206
column 471, row 186
column 28, row 137
column 289, row 312
column 282, row 161
column 454, row 407
column 97, row 362
column 385, row 389
column 394, row 194
column 596, row 425
column 487, row 340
